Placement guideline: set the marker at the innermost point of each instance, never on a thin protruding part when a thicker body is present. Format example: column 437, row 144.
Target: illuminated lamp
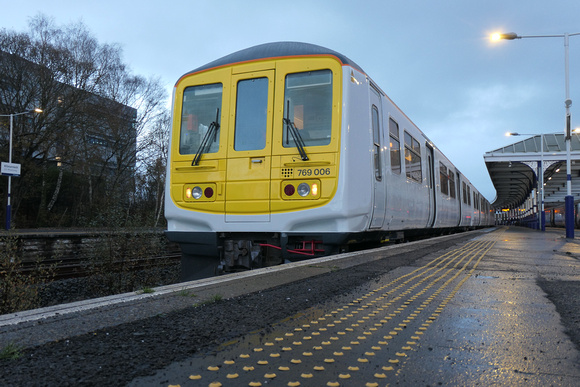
column 314, row 189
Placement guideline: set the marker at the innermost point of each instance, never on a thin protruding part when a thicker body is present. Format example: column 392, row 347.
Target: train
column 556, row 216
column 287, row 150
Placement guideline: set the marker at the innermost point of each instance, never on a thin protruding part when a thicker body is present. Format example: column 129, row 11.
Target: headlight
column 303, row 189
column 300, row 190
column 196, row 192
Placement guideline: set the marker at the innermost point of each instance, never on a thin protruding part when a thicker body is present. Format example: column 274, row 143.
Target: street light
column 569, row 200
column 541, row 214
column 8, row 206
column 506, row 36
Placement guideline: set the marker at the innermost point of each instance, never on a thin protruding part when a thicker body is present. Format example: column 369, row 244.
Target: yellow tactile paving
column 380, row 329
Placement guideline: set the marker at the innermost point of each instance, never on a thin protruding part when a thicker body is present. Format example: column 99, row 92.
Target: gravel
column 78, row 289
column 118, row 354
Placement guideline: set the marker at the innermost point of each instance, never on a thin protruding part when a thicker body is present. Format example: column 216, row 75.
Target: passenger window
column 395, row 147
column 443, row 177
column 251, row 114
column 468, row 195
column 201, row 105
column 308, row 104
column 413, row 159
column 452, row 184
column 464, row 193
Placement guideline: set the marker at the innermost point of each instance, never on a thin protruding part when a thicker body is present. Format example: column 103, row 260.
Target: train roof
column 276, row 50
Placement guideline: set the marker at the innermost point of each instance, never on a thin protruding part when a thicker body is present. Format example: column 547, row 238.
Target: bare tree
column 95, row 109
column 153, row 162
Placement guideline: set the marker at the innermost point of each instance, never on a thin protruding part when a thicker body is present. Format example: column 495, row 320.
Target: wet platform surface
column 470, row 315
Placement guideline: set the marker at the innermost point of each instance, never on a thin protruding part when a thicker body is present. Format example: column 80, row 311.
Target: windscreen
column 308, row 104
column 201, row 104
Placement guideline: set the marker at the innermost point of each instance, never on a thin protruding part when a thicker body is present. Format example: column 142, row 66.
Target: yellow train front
column 272, row 158
column 254, row 158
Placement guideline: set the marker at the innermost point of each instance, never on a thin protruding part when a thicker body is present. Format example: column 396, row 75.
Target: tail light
column 289, row 190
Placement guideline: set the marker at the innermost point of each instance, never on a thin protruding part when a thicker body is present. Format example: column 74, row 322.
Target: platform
column 475, row 315
column 457, row 310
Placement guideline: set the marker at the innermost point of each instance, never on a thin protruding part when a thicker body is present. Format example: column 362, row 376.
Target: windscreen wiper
column 298, row 141
column 205, row 142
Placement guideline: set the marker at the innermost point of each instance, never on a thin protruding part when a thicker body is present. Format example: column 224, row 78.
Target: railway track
column 62, row 255
column 75, row 267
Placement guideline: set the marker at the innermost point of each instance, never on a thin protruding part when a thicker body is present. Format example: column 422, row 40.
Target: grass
column 147, row 290
column 186, row 293
column 11, row 352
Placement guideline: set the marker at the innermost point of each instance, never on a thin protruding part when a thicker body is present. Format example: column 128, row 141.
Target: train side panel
column 405, row 172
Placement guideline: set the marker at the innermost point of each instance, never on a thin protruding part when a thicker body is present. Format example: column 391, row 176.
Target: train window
column 444, row 178
column 377, row 142
column 201, row 105
column 413, row 158
column 395, row 146
column 452, row 191
column 468, row 195
column 251, row 114
column 464, row 193
column 308, row 104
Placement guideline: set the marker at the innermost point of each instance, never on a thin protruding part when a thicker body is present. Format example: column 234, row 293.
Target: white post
column 542, row 214
column 569, row 200
column 8, row 207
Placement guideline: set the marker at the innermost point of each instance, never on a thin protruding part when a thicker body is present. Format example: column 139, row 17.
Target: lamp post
column 8, row 206
column 569, row 200
column 541, row 214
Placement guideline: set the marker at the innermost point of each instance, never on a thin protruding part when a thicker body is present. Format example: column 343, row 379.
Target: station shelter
column 530, row 175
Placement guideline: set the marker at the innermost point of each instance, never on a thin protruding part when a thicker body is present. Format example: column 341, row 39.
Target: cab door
column 249, row 157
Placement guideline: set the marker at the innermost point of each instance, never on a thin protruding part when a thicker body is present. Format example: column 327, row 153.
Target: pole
column 542, row 213
column 569, row 200
column 8, row 207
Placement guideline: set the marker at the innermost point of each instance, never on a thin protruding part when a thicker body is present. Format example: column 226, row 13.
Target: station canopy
column 514, row 170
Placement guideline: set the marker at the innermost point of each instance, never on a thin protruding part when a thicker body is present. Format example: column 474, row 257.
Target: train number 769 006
column 314, row 172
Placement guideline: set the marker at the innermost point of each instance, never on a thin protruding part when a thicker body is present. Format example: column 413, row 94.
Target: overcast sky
column 433, row 58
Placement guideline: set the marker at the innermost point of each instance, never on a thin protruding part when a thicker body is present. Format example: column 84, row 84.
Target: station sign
column 10, row 169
